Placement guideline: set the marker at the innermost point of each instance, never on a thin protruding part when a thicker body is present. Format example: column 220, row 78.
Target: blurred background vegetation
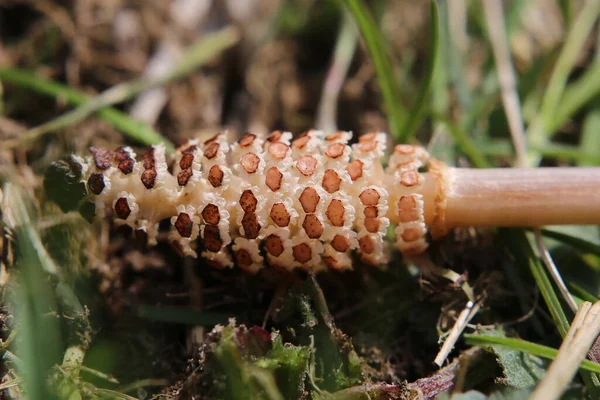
column 87, row 313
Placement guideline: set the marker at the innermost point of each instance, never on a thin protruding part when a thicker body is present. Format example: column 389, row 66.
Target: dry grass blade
column 342, row 57
column 582, row 334
column 506, row 74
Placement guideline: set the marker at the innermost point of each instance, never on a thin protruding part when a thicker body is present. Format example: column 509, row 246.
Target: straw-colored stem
column 508, row 197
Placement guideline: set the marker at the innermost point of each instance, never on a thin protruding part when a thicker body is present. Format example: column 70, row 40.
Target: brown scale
column 124, row 160
column 334, row 136
column 369, row 197
column 278, row 150
column 335, row 213
column 306, row 165
column 273, row 179
column 302, row 253
column 184, row 225
column 212, row 238
column 366, row 244
column 371, row 212
column 409, row 178
column 211, row 150
column 280, row 216
column 215, row 176
column 250, row 162
column 243, row 258
column 331, row 181
column 274, row 136
column 301, row 140
column 340, row 243
column 102, row 157
column 372, row 225
column 309, row 200
column 211, row 214
column 335, row 150
column 148, row 177
column 312, row 226
column 411, row 234
column 248, row 201
column 274, row 245
column 122, row 208
column 185, row 164
column 407, row 206
column 96, row 183
column 355, row 169
column 247, row 139
column 212, row 139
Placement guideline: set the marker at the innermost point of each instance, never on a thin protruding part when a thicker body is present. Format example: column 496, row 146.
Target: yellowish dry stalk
column 582, row 334
column 508, row 197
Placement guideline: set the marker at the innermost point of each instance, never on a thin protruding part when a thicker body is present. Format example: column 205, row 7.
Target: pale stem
column 507, row 197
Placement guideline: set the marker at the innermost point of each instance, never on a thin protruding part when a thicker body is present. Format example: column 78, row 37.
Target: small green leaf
column 521, row 370
column 524, row 346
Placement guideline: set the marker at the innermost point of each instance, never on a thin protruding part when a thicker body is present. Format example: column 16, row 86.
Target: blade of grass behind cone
column 540, row 130
column 131, row 128
column 576, row 96
column 386, row 76
column 201, row 52
column 575, row 242
column 525, row 347
column 590, row 139
column 417, row 112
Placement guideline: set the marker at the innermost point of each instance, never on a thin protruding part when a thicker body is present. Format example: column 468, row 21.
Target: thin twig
column 461, row 322
column 554, row 273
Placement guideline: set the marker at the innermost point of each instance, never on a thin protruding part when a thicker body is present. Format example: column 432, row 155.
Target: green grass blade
column 563, row 152
column 576, row 96
column 384, row 68
column 539, row 131
column 131, row 128
column 516, row 240
column 465, row 143
column 417, row 112
column 204, row 50
column 525, row 347
column 582, row 293
column 590, row 139
column 575, row 242
column 39, row 336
